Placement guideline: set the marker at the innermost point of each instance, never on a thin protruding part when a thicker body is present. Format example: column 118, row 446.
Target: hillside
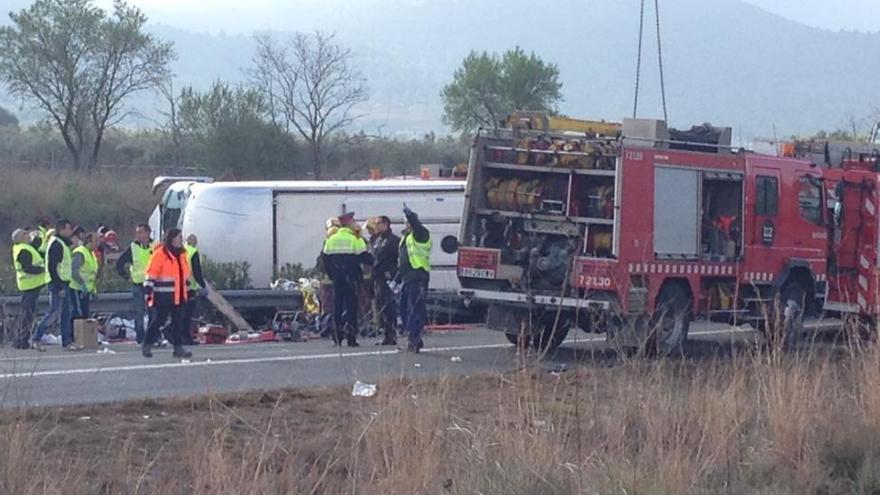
column 726, row 61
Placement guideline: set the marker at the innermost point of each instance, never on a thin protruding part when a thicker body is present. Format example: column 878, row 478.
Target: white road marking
column 334, row 355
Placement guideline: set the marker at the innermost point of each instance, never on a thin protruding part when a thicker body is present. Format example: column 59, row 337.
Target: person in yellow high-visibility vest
column 30, row 278
column 44, row 235
column 414, row 272
column 84, row 274
column 132, row 266
column 196, row 286
column 343, row 255
column 58, row 268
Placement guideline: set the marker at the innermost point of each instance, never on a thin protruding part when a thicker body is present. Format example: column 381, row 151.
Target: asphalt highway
column 59, row 377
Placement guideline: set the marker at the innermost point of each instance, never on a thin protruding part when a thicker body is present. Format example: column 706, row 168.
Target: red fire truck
column 851, row 183
column 635, row 226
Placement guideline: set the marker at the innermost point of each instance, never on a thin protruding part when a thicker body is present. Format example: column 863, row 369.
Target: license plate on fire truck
column 478, row 263
column 476, row 272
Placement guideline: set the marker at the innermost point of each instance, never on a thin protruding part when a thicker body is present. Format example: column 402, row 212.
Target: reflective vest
column 419, row 252
column 168, row 274
column 26, row 281
column 88, row 271
column 140, row 258
column 190, row 253
column 45, row 238
column 344, row 241
column 64, row 266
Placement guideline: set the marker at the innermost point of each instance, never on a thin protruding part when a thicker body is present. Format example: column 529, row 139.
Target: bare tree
column 79, row 64
column 170, row 113
column 311, row 85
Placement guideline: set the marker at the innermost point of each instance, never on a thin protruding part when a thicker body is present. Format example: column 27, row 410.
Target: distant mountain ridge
column 726, row 61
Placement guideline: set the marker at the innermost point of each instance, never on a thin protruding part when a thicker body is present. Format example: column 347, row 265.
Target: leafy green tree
column 7, row 118
column 79, row 64
column 487, row 87
column 231, row 132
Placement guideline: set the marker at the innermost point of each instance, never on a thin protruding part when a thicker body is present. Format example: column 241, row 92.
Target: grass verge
column 753, row 423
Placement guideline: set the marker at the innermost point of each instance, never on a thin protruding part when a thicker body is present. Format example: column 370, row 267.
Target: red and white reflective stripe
column 681, row 269
column 759, row 276
column 864, row 262
column 820, row 277
column 869, row 206
column 863, row 303
column 863, row 282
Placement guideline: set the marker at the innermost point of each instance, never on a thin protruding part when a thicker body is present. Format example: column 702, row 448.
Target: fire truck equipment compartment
column 676, row 213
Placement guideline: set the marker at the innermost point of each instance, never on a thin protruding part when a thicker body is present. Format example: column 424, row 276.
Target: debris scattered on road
column 559, row 369
column 417, row 365
column 146, row 416
column 185, row 361
column 455, row 359
column 362, row 389
column 85, row 418
column 163, row 414
column 105, row 350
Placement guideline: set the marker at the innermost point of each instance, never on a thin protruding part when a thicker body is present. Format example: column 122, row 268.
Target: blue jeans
column 80, row 302
column 413, row 309
column 59, row 308
column 139, row 310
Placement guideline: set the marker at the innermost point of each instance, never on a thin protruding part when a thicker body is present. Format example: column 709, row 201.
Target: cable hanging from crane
column 659, row 58
column 639, row 59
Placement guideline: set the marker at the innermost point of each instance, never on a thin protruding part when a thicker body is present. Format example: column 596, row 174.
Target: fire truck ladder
column 865, row 271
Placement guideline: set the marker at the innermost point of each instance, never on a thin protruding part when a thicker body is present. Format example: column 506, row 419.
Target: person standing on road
column 132, row 266
column 343, row 254
column 84, row 275
column 30, row 278
column 44, row 234
column 165, row 283
column 386, row 247
column 196, row 285
column 415, row 273
column 59, row 268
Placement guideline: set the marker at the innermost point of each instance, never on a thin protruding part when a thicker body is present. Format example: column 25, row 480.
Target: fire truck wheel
column 669, row 328
column 513, row 338
column 551, row 333
column 792, row 319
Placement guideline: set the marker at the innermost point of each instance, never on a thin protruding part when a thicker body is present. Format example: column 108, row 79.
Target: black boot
column 180, row 352
column 146, row 350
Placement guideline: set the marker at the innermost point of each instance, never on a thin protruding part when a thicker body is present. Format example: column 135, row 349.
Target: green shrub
column 295, row 271
column 235, row 275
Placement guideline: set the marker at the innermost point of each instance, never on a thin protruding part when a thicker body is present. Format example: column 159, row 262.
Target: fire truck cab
column 635, row 226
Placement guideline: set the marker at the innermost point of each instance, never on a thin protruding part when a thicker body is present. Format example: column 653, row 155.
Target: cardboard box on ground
column 85, row 332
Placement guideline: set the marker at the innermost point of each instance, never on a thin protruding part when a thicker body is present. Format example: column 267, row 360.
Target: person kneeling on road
column 167, row 276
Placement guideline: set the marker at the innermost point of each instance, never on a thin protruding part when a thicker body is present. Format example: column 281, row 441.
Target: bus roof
column 345, row 186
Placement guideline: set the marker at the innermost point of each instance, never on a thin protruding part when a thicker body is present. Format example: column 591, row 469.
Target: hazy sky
column 238, row 16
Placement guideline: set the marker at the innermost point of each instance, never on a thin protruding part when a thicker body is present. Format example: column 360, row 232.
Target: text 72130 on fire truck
column 635, row 229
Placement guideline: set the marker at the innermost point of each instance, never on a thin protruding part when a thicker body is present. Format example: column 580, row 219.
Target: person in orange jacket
column 166, row 290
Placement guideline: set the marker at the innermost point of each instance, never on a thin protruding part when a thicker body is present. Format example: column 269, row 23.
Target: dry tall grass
column 754, row 423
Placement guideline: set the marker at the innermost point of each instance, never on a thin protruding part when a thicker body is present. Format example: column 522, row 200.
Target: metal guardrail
column 120, row 302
